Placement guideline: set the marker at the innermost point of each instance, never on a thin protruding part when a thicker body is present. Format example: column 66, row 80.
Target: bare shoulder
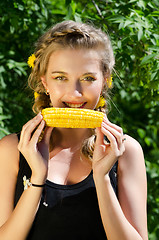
column 133, row 155
column 10, row 141
column 11, row 138
column 9, row 151
column 132, row 144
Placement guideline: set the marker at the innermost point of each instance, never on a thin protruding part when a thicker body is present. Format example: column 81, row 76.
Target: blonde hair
column 73, row 35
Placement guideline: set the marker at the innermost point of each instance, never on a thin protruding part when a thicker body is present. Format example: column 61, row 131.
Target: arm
column 132, row 186
column 13, row 224
column 124, row 218
column 9, row 164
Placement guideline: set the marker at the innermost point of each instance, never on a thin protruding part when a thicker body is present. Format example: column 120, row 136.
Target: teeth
column 74, row 105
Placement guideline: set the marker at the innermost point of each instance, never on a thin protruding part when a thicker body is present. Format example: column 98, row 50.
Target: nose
column 75, row 90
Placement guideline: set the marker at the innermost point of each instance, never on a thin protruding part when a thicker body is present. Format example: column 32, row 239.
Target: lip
column 74, row 104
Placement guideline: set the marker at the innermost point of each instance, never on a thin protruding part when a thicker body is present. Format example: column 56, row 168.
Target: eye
column 60, row 78
column 89, row 78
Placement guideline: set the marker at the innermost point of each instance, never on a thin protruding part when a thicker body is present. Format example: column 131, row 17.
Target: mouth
column 74, row 105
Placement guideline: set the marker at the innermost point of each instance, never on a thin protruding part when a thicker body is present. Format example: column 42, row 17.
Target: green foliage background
column 133, row 26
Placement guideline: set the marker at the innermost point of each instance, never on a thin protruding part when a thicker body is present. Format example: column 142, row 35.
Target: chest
column 67, row 167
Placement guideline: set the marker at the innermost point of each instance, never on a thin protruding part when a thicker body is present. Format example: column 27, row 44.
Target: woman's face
column 74, row 78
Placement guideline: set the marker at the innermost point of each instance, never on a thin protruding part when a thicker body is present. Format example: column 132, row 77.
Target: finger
column 122, row 138
column 29, row 127
column 119, row 129
column 38, row 116
column 114, row 132
column 100, row 136
column 37, row 133
column 47, row 135
column 110, row 137
column 118, row 149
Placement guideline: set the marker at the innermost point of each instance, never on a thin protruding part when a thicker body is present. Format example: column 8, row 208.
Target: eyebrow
column 90, row 73
column 61, row 72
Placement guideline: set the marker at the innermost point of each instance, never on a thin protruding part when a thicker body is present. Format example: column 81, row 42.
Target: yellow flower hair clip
column 109, row 82
column 36, row 95
column 31, row 60
column 101, row 102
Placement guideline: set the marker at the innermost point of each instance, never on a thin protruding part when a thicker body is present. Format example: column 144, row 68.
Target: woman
column 84, row 184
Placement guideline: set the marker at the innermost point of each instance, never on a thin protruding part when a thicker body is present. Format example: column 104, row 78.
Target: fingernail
column 40, row 115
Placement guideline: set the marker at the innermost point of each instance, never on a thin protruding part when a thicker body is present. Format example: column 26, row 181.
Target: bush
column 133, row 29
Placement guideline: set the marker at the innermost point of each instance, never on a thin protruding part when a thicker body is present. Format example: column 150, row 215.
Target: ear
column 43, row 79
column 104, row 82
column 107, row 80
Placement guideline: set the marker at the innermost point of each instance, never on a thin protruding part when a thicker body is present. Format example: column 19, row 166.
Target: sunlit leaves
column 133, row 28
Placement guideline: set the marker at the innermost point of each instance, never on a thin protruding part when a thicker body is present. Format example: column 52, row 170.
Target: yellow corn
column 72, row 117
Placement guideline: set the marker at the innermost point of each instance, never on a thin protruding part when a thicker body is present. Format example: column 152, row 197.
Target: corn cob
column 72, row 117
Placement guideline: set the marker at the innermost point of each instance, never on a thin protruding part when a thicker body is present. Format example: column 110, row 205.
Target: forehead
column 74, row 59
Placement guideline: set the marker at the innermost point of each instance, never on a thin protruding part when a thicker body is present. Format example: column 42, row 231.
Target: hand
column 36, row 154
column 106, row 154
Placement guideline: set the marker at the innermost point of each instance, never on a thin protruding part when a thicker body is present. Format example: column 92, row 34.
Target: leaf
column 3, row 117
column 141, row 132
column 154, row 48
column 148, row 141
column 123, row 93
column 3, row 132
column 132, row 1
column 117, row 19
column 154, row 14
column 121, row 25
column 148, row 58
column 140, row 34
column 77, row 17
column 153, row 75
column 127, row 22
column 119, row 44
column 2, row 69
column 142, row 4
column 2, row 82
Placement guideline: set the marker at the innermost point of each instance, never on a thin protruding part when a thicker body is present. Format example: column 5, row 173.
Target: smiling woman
column 74, row 60
column 82, row 179
column 81, row 81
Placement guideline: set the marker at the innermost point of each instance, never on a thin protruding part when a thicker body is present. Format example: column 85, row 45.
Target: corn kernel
column 72, row 117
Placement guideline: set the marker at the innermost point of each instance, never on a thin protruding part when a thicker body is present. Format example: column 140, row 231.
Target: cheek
column 55, row 93
column 54, row 88
column 95, row 90
column 94, row 95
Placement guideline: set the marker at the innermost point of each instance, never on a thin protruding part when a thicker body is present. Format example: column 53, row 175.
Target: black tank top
column 66, row 211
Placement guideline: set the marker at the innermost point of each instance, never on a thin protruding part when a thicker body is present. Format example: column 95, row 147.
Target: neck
column 69, row 138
